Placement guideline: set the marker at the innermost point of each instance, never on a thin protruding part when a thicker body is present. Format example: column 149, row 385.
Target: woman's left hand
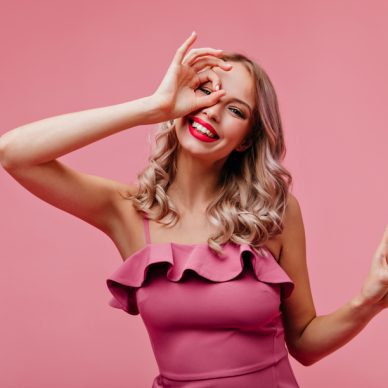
column 375, row 288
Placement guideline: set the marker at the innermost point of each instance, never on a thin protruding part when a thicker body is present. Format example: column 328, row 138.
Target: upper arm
column 89, row 197
column 298, row 309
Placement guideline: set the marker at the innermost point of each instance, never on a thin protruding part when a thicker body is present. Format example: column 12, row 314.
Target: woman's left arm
column 310, row 337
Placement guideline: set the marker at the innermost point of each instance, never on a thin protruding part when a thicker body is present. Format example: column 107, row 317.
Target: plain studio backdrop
column 328, row 63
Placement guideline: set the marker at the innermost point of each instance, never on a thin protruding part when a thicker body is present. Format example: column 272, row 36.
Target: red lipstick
column 206, row 125
column 199, row 135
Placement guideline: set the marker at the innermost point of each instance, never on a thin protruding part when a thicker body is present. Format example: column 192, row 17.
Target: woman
column 219, row 275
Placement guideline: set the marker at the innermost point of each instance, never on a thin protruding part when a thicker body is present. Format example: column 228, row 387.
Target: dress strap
column 147, row 229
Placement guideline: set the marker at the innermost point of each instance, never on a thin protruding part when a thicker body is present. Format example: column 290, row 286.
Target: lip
column 205, row 124
column 200, row 136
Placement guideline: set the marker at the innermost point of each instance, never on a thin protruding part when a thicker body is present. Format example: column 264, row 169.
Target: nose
column 212, row 112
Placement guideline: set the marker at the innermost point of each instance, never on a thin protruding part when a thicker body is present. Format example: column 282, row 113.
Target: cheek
column 235, row 132
column 179, row 125
column 181, row 122
column 182, row 130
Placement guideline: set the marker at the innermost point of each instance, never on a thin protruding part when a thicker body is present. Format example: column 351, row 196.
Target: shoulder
column 127, row 226
column 123, row 203
column 293, row 214
column 293, row 234
column 293, row 210
column 123, row 190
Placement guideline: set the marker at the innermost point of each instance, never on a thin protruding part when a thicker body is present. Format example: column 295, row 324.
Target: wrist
column 364, row 308
column 157, row 109
column 144, row 111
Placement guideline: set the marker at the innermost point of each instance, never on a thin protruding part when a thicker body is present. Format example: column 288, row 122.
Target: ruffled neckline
column 199, row 258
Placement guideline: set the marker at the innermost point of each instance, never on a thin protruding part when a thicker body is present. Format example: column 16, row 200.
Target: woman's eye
column 237, row 112
column 203, row 89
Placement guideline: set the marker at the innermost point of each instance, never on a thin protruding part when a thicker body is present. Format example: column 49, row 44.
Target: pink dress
column 212, row 322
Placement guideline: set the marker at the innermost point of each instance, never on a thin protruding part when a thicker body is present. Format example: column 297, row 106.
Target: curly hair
column 253, row 187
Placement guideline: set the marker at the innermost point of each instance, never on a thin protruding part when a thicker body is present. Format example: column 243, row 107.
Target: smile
column 200, row 132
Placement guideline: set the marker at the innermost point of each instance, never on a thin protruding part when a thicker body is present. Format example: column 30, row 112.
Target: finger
column 384, row 242
column 213, row 77
column 195, row 53
column 213, row 62
column 209, row 75
column 210, row 99
column 384, row 246
column 385, row 236
column 381, row 254
column 182, row 50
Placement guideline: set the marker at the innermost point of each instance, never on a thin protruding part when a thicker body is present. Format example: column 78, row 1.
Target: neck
column 195, row 183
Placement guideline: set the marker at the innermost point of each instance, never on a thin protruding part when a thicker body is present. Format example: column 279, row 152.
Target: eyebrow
column 243, row 102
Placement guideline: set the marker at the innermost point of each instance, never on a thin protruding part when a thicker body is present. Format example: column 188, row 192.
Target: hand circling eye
column 188, row 69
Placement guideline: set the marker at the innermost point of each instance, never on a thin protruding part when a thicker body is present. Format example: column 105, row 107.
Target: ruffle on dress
column 199, row 258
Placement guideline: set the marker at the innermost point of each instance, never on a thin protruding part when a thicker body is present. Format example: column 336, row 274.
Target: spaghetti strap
column 147, row 230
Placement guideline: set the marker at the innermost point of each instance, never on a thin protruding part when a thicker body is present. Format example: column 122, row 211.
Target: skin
column 200, row 161
column 30, row 153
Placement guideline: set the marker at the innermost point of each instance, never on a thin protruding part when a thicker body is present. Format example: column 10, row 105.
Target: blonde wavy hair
column 253, row 185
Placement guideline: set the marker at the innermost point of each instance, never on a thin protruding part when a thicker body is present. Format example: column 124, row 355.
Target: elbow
column 4, row 162
column 5, row 159
column 2, row 151
column 307, row 362
column 303, row 358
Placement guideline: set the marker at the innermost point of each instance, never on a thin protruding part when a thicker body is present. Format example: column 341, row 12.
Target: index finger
column 182, row 50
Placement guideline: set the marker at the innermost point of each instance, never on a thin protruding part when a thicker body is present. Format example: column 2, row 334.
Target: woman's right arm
column 47, row 139
column 28, row 153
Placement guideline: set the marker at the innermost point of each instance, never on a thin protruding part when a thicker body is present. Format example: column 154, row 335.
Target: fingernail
column 217, row 87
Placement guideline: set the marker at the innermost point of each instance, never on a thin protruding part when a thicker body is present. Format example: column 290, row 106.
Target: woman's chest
column 242, row 302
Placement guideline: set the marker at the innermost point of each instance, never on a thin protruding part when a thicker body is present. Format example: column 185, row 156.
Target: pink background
column 328, row 61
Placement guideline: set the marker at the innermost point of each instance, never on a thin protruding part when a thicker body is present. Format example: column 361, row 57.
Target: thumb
column 210, row 99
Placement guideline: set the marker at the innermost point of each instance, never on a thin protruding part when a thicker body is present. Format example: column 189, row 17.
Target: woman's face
column 229, row 118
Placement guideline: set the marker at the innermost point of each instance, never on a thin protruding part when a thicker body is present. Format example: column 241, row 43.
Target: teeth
column 202, row 129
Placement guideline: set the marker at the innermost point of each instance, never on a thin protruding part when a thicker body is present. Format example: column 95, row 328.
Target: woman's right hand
column 176, row 94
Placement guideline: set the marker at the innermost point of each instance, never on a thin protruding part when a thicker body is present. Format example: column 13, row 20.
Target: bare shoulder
column 293, row 209
column 122, row 198
column 293, row 236
column 293, row 215
column 126, row 230
column 123, row 191
column 292, row 256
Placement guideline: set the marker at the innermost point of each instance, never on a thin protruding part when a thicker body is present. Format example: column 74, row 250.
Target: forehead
column 237, row 82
